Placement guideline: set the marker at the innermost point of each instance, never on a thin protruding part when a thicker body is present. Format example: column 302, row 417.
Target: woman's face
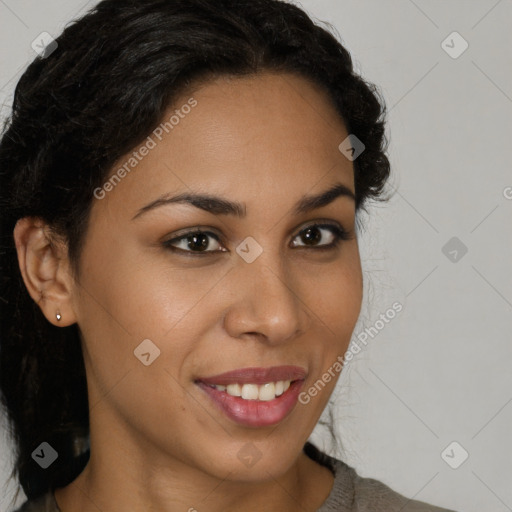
column 160, row 313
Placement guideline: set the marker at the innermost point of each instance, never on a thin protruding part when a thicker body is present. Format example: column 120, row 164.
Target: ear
column 45, row 269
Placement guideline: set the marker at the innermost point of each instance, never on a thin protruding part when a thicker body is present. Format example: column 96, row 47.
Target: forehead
column 274, row 109
column 254, row 136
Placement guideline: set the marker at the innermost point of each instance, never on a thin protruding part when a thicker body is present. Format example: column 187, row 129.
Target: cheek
column 122, row 304
column 335, row 294
column 134, row 293
column 337, row 297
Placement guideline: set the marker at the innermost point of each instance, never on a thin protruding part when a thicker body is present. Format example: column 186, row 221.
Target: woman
column 180, row 183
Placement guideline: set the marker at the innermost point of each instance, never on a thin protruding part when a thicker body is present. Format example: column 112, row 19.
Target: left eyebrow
column 220, row 206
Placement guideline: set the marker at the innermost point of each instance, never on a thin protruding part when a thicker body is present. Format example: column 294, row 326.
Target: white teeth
column 233, row 389
column 266, row 392
column 250, row 391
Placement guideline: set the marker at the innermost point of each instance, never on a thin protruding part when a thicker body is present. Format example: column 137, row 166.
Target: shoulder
column 45, row 503
column 374, row 496
column 353, row 493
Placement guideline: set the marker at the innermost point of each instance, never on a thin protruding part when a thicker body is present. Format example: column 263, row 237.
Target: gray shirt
column 350, row 492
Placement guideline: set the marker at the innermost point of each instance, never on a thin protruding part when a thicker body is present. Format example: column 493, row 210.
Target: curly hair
column 75, row 112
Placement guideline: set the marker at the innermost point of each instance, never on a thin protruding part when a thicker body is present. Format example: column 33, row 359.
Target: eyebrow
column 219, row 206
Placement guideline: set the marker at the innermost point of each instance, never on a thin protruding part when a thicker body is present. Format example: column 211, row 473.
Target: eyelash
column 339, row 235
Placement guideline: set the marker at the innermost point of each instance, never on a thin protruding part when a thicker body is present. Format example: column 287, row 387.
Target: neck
column 122, row 475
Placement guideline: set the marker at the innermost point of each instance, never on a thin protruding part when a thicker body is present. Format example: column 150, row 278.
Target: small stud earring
column 58, row 316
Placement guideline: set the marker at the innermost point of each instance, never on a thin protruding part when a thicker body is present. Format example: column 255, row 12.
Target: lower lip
column 255, row 413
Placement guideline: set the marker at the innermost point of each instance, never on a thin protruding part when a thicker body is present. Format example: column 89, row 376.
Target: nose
column 266, row 302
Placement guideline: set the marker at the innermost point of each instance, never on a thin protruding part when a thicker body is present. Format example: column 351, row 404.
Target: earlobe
column 44, row 266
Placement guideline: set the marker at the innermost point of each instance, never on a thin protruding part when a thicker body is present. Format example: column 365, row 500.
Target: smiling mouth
column 255, row 397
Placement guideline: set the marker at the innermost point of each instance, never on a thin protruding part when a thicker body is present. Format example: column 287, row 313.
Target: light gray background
column 439, row 371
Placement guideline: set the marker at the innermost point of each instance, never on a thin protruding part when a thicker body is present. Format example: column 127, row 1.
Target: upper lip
column 256, row 375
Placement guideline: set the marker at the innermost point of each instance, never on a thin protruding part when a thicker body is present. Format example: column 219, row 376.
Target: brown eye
column 313, row 235
column 194, row 242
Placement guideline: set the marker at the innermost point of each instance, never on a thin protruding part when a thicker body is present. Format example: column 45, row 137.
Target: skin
column 157, row 441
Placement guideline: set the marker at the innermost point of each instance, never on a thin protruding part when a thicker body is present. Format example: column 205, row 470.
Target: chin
column 253, row 461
